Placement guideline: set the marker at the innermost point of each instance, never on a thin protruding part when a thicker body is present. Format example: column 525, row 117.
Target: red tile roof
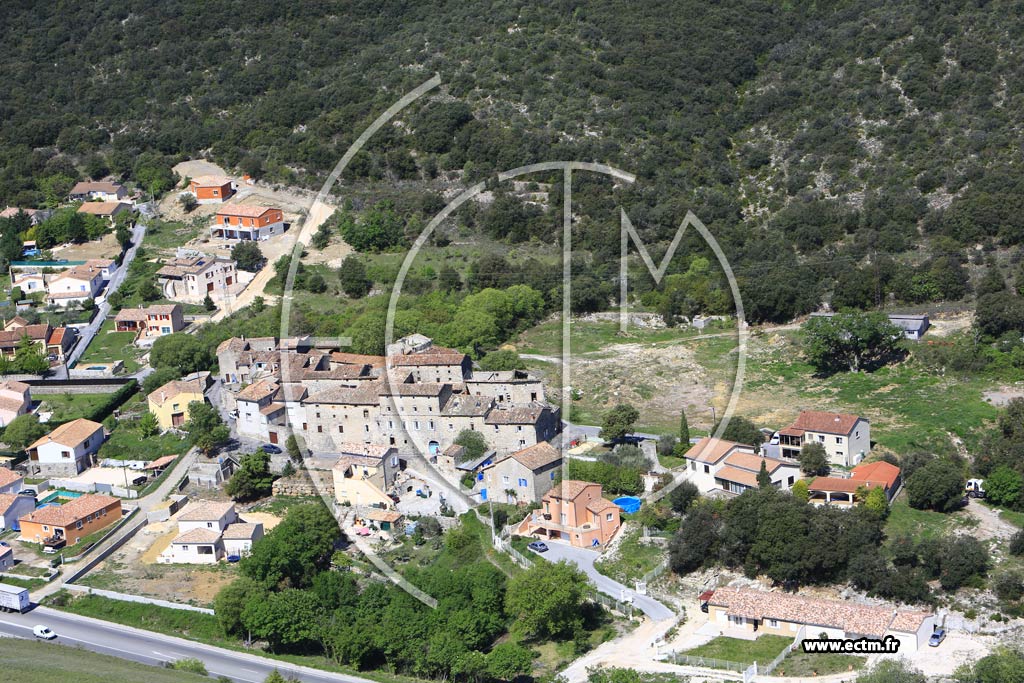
column 825, row 423
column 72, row 511
column 879, row 471
column 711, row 450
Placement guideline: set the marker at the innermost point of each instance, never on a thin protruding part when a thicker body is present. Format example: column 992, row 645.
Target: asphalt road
column 155, row 649
column 584, row 559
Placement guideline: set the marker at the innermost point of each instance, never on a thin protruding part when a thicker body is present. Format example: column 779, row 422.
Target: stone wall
column 305, row 483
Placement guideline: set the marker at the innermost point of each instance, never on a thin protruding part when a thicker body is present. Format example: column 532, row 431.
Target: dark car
column 271, row 448
column 538, row 547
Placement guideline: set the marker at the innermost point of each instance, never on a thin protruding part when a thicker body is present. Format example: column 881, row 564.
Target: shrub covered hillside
column 855, row 150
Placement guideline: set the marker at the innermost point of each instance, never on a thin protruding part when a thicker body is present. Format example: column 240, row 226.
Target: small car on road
column 271, row 448
column 538, row 547
column 938, row 636
column 44, row 632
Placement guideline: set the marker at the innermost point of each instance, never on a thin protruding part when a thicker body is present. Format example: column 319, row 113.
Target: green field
column 763, row 650
column 904, row 520
column 109, row 346
column 799, row 663
column 632, row 559
column 69, row 406
column 27, row 661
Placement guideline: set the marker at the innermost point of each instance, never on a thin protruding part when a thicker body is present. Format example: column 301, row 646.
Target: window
column 839, row 439
column 707, row 469
column 209, row 525
column 319, row 429
column 608, row 517
column 504, row 479
column 522, row 483
column 821, row 438
column 693, row 465
column 773, row 623
column 791, row 479
column 564, row 518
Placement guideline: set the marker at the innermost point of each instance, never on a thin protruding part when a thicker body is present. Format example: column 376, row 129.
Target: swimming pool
column 52, row 496
column 628, row 504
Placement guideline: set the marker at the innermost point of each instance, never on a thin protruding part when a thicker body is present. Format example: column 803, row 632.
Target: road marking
column 170, row 657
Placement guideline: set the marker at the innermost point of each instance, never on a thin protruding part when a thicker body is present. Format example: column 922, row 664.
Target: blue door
column 483, row 494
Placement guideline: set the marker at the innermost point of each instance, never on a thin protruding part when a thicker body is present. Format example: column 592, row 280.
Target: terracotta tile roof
column 735, row 474
column 835, row 484
column 570, row 489
column 100, row 208
column 175, row 388
column 825, row 423
column 205, row 511
column 15, row 386
column 467, row 406
column 711, row 450
column 70, row 434
column 241, row 531
column 72, row 511
column 17, row 321
column 391, row 516
column 8, row 477
column 879, row 471
column 599, row 505
column 211, row 181
column 161, row 462
column 428, row 358
column 39, row 332
column 257, row 391
column 271, row 409
column 197, row 536
column 57, row 338
column 517, row 415
column 537, row 456
column 357, row 359
column 243, row 211
column 855, row 619
column 98, row 186
column 908, row 621
column 749, row 461
column 11, row 405
column 7, row 500
column 233, row 344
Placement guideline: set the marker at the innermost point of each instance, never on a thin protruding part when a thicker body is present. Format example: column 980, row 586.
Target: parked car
column 538, row 547
column 394, row 498
column 937, row 637
column 234, row 558
column 44, row 632
column 271, row 448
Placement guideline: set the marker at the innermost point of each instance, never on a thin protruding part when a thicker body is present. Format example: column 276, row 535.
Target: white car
column 44, row 632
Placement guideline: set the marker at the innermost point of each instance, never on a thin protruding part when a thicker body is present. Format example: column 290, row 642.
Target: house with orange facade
column 247, row 222
column 574, row 511
column 56, row 526
column 209, row 189
column 843, row 491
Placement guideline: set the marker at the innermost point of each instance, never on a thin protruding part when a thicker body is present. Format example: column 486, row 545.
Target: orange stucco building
column 574, row 511
column 209, row 189
column 247, row 222
column 67, row 524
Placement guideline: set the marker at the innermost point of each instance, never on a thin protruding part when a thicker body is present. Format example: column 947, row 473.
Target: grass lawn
column 799, row 663
column 632, row 559
column 763, row 650
column 108, row 346
column 171, row 234
column 127, row 443
column 546, row 338
column 28, row 661
column 671, row 462
column 69, row 406
column 30, row 584
column 906, row 521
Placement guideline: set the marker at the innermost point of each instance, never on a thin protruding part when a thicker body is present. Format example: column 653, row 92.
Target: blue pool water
column 52, row 496
column 629, row 504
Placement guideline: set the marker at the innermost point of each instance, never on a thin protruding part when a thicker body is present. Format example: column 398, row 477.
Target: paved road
column 87, row 333
column 584, row 559
column 155, row 648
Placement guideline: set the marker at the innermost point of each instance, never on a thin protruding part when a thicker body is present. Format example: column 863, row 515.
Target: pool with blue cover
column 628, row 504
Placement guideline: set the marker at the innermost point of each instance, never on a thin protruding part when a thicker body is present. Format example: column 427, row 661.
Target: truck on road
column 13, row 598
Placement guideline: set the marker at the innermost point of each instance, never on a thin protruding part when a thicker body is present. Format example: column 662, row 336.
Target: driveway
column 584, row 559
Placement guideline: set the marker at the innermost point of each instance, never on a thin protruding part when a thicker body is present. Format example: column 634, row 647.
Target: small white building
column 15, row 400
column 13, row 507
column 846, row 438
column 197, row 546
column 67, row 450
column 76, row 284
column 207, row 515
column 6, row 558
column 239, row 537
column 10, row 481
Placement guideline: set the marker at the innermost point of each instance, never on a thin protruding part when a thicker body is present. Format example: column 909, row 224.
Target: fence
column 770, row 667
column 506, row 547
column 96, row 487
column 127, row 597
column 706, row 662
